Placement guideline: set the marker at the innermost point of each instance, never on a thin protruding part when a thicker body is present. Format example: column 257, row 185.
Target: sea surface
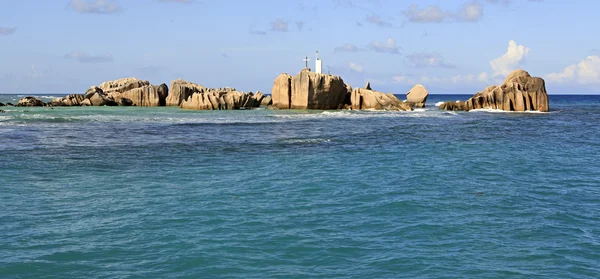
column 132, row 192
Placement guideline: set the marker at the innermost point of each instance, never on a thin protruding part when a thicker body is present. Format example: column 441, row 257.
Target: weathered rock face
column 309, row 90
column 221, row 99
column 68, row 101
column 369, row 99
column 282, row 91
column 520, row 92
column 30, row 102
column 140, row 92
column 99, row 99
column 146, row 96
column 267, row 101
column 317, row 91
column 91, row 91
column 417, row 96
column 122, row 85
column 181, row 90
column 124, row 102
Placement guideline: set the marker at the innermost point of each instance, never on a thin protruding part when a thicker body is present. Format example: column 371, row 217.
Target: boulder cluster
column 309, row 90
column 306, row 90
column 519, row 92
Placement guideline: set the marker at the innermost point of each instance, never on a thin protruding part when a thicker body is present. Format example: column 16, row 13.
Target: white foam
column 490, row 110
column 439, row 104
column 316, row 140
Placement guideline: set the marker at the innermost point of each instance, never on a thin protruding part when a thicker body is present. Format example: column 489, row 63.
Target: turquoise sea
column 129, row 192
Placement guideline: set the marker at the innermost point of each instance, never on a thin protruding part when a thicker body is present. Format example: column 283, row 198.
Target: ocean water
column 114, row 192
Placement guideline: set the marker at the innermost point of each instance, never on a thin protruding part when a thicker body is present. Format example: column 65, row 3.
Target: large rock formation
column 309, row 90
column 282, row 91
column 417, row 96
column 140, row 92
column 30, row 102
column 317, row 91
column 181, row 90
column 68, row 101
column 520, row 92
column 221, row 99
column 364, row 98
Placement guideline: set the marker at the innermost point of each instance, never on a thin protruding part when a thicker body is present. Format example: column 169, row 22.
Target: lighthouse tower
column 318, row 64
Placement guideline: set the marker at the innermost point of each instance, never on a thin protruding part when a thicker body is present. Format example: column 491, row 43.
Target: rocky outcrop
column 417, row 96
column 267, row 101
column 95, row 96
column 282, row 91
column 317, row 91
column 68, row 101
column 363, row 98
column 91, row 91
column 308, row 90
column 140, row 92
column 519, row 92
column 221, row 99
column 30, row 102
column 181, row 90
column 2, row 104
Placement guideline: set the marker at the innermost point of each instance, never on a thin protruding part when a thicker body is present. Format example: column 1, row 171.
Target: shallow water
column 115, row 192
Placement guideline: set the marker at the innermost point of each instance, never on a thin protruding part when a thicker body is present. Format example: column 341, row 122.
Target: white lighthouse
column 318, row 64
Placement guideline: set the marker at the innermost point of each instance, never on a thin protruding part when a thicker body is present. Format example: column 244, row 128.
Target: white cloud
column 347, row 48
column 428, row 14
column 453, row 81
column 5, row 31
column 94, row 6
column 482, row 77
column 404, row 79
column 587, row 71
column 470, row 12
column 375, row 19
column 389, row 46
column 428, row 60
column 355, row 67
column 511, row 60
column 89, row 57
column 279, row 25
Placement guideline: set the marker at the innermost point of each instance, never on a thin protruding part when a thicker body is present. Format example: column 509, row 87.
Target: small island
column 307, row 90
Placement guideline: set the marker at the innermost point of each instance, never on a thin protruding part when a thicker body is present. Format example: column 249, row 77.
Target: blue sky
column 65, row 46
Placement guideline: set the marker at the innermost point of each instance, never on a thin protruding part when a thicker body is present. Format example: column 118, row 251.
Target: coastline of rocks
column 306, row 90
column 520, row 92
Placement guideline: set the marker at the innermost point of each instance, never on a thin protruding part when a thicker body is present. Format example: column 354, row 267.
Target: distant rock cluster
column 519, row 92
column 309, row 90
column 306, row 90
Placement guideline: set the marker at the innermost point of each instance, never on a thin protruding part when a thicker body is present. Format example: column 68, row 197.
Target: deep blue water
column 113, row 192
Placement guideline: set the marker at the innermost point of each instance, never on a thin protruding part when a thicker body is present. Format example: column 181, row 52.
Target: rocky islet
column 306, row 90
